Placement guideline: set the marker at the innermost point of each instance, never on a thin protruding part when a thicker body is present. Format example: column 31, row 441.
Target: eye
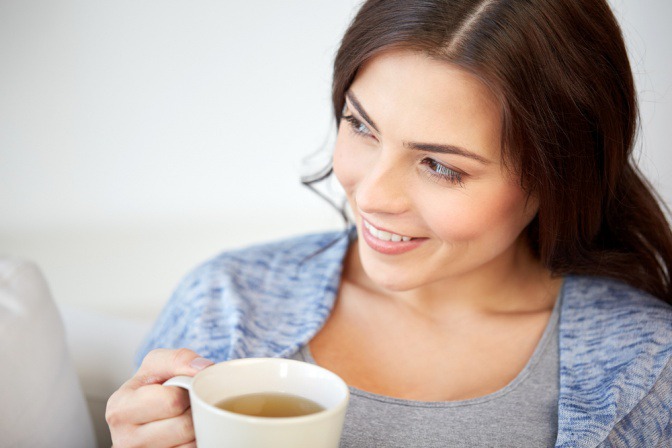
column 358, row 127
column 440, row 172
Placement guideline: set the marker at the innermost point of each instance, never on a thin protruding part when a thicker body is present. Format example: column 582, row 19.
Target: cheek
column 495, row 215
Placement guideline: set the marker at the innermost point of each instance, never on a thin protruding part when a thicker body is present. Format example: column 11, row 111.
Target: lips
column 386, row 242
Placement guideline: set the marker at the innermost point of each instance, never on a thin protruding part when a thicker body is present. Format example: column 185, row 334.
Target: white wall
column 646, row 25
column 138, row 138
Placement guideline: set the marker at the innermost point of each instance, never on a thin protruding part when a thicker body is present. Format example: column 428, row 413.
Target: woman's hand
column 143, row 413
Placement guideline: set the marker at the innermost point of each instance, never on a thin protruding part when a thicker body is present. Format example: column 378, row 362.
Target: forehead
column 418, row 98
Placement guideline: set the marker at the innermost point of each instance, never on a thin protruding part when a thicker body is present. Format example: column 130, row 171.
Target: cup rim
column 273, row 421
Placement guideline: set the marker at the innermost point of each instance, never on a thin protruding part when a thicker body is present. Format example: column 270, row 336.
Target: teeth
column 385, row 236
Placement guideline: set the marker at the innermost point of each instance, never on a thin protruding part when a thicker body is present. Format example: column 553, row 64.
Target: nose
column 383, row 189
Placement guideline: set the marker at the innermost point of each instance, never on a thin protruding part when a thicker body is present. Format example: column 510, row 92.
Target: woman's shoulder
column 261, row 272
column 282, row 254
column 609, row 316
column 615, row 304
column 608, row 326
column 616, row 356
column 261, row 300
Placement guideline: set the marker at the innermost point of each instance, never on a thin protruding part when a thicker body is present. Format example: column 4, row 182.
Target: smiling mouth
column 383, row 235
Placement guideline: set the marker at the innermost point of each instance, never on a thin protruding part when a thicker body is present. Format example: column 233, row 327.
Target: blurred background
column 137, row 139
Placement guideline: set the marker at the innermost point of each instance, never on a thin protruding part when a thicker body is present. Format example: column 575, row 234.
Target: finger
column 188, row 445
column 162, row 364
column 154, row 402
column 174, row 431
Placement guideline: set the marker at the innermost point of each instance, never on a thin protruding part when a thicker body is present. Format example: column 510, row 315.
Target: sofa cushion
column 42, row 402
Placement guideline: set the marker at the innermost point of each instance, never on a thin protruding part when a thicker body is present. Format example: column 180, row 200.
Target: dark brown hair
column 561, row 73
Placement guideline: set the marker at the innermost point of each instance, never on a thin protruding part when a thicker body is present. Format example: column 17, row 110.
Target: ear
column 531, row 206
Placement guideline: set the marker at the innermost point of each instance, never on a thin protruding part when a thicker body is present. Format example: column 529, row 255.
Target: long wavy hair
column 561, row 74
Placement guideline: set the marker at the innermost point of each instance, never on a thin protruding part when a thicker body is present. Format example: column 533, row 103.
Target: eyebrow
column 429, row 147
column 446, row 149
column 358, row 106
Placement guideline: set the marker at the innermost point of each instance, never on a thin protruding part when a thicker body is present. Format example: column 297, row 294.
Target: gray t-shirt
column 522, row 414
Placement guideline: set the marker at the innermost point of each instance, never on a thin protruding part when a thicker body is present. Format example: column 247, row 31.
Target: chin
column 392, row 280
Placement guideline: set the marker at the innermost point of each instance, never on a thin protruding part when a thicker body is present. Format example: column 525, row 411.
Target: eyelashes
column 434, row 169
column 442, row 172
column 357, row 126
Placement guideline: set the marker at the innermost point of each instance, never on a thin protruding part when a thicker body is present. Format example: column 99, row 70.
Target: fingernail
column 200, row 363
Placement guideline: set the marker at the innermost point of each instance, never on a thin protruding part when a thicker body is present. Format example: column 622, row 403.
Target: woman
column 507, row 280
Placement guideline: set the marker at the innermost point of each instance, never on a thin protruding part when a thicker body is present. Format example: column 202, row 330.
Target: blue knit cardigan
column 270, row 300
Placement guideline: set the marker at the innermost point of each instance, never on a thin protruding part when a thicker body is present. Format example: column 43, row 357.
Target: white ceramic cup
column 216, row 427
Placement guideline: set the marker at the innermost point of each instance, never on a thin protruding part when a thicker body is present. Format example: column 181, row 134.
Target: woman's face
column 418, row 154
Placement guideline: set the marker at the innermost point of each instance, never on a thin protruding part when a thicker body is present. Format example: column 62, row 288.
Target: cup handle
column 180, row 381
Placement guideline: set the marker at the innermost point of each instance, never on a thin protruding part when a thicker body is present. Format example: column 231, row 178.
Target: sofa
column 43, row 404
